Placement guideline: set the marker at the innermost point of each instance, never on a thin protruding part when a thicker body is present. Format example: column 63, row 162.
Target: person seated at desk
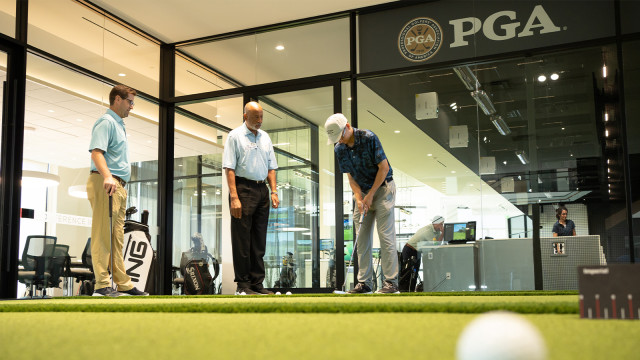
column 564, row 226
column 431, row 232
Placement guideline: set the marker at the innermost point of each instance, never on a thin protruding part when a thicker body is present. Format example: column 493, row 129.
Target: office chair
column 83, row 271
column 37, row 262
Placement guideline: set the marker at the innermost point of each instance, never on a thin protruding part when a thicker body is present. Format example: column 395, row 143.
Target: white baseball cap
column 334, row 126
column 437, row 219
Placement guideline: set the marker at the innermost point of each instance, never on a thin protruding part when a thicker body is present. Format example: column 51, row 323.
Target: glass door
column 301, row 238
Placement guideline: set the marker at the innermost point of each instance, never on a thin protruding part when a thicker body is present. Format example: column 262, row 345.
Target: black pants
column 409, row 268
column 249, row 233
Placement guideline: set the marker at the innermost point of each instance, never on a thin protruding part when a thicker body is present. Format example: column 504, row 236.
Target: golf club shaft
column 355, row 244
column 111, row 235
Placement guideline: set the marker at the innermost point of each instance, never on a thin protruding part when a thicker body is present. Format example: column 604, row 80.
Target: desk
column 448, row 267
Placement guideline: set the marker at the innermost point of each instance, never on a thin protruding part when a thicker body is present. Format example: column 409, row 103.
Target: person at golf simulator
column 432, row 232
column 249, row 163
column 110, row 171
column 361, row 156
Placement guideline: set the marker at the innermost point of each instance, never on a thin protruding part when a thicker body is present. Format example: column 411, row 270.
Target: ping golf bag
column 139, row 256
column 408, row 273
column 194, row 267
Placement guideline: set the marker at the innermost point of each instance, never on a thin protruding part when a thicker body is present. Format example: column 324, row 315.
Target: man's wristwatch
column 274, row 192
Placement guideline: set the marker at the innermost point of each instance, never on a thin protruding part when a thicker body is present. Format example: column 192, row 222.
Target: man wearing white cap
column 361, row 157
column 431, row 232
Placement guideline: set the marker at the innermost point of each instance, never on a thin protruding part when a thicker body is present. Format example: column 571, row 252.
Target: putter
column 111, row 235
column 355, row 247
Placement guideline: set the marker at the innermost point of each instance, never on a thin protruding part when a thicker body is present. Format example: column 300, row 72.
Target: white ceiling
column 180, row 20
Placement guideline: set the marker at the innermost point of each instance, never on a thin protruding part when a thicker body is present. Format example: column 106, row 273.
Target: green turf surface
column 302, row 327
column 532, row 304
column 68, row 336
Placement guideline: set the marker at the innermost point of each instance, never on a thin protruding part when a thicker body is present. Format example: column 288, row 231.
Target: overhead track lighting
column 484, row 102
column 467, row 77
column 500, row 125
column 522, row 157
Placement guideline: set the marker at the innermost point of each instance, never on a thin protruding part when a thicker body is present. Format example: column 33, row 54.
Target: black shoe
column 360, row 288
column 106, row 291
column 261, row 290
column 134, row 292
column 245, row 291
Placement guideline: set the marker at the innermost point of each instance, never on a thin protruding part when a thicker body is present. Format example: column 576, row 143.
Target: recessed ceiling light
column 504, row 162
column 542, row 78
column 280, row 47
column 453, row 171
column 349, row 98
column 554, row 76
column 562, row 128
column 397, row 131
column 122, row 74
column 217, row 116
column 429, row 154
column 51, row 111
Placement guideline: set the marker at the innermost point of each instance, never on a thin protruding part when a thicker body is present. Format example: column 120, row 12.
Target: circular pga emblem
column 420, row 39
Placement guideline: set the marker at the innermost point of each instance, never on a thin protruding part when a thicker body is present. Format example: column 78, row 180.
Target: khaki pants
column 100, row 242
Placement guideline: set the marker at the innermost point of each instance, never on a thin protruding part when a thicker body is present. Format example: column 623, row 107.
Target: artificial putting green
column 81, row 328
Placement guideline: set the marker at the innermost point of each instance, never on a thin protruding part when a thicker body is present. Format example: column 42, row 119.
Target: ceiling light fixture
column 397, row 131
column 78, row 191
column 554, row 76
column 122, row 74
column 39, row 178
column 279, row 47
column 467, row 77
column 604, row 71
column 484, row 102
column 500, row 125
column 522, row 157
column 606, row 117
column 542, row 78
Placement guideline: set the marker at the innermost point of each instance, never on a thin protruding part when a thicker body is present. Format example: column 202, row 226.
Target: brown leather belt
column 122, row 182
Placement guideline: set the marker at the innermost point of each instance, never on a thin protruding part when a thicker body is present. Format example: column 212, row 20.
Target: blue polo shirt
column 109, row 135
column 566, row 230
column 361, row 160
column 250, row 156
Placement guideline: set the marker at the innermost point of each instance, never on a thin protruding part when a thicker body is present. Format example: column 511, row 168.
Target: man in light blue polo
column 110, row 171
column 249, row 163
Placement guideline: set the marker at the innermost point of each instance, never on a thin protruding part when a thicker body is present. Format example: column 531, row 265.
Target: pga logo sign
column 421, row 38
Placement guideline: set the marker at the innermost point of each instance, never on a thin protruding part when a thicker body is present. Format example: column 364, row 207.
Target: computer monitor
column 459, row 233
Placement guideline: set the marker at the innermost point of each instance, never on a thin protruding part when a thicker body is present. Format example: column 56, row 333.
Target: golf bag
column 288, row 273
column 194, row 267
column 408, row 273
column 139, row 256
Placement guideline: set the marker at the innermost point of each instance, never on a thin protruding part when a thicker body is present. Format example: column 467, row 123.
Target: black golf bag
column 194, row 267
column 287, row 273
column 139, row 256
column 408, row 273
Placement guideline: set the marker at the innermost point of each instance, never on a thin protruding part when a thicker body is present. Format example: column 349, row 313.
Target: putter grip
column 110, row 205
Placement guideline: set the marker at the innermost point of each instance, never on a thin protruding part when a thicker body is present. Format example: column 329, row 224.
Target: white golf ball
column 243, row 293
column 288, row 292
column 500, row 335
column 278, row 293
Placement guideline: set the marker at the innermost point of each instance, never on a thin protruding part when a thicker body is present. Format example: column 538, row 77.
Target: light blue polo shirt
column 109, row 135
column 251, row 156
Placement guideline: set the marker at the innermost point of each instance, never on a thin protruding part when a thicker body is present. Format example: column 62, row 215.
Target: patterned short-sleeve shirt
column 361, row 160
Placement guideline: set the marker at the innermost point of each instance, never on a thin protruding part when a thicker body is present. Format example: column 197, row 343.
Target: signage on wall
column 455, row 30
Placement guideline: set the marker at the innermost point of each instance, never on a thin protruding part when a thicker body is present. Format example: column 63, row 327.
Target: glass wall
column 60, row 109
column 8, row 17
column 540, row 133
column 301, row 237
column 78, row 33
column 631, row 60
column 199, row 196
column 274, row 55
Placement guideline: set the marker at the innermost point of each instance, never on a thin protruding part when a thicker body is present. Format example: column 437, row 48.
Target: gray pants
column 381, row 211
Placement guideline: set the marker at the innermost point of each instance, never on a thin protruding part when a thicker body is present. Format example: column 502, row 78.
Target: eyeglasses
column 131, row 103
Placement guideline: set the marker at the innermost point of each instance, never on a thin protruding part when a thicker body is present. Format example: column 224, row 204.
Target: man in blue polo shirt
column 110, row 171
column 249, row 163
column 361, row 157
